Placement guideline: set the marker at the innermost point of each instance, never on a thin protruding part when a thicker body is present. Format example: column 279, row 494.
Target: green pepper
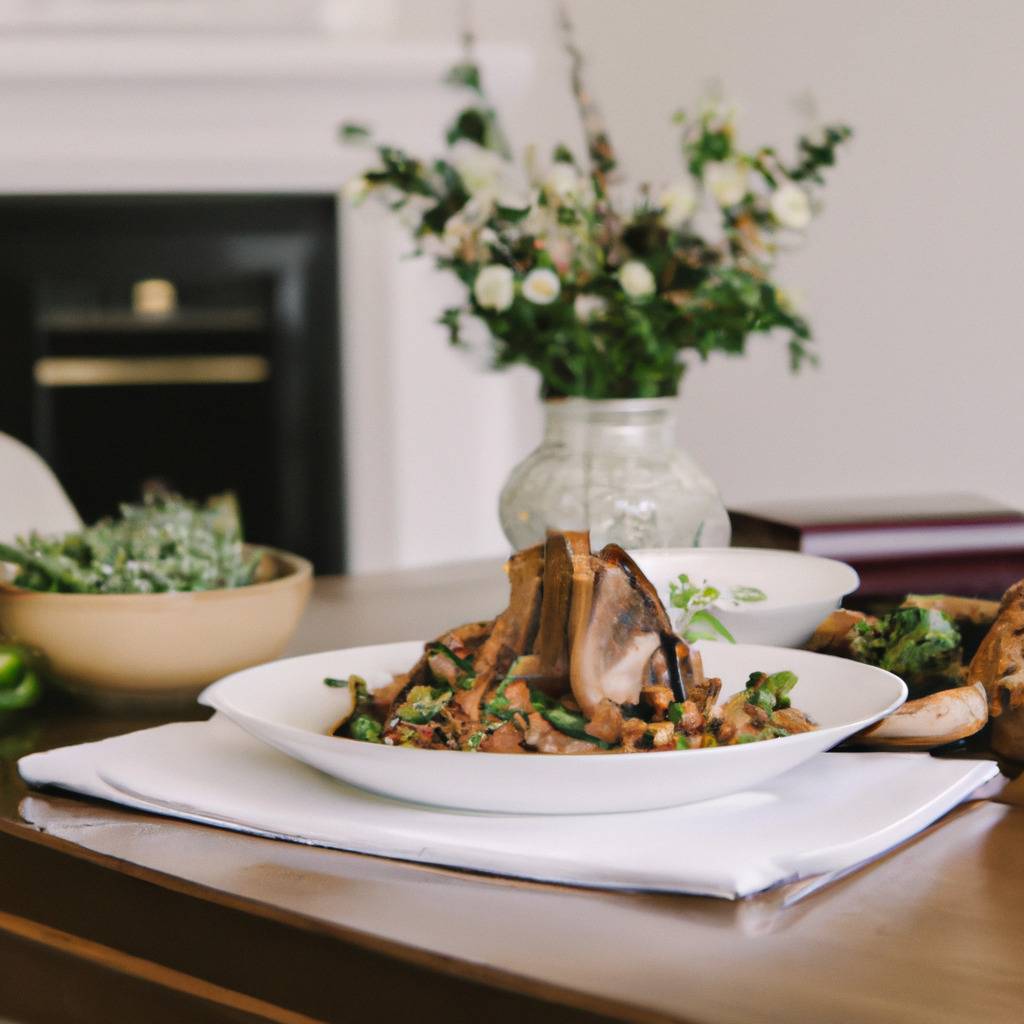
column 20, row 686
column 570, row 722
column 11, row 668
column 24, row 695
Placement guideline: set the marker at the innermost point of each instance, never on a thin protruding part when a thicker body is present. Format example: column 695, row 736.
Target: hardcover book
column 958, row 543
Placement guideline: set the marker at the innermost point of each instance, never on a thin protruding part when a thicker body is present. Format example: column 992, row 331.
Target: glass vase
column 613, row 467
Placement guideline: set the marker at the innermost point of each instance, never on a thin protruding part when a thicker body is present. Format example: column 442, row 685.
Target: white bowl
column 800, row 590
column 286, row 704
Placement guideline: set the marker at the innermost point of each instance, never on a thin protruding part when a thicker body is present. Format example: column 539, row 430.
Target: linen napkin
column 825, row 816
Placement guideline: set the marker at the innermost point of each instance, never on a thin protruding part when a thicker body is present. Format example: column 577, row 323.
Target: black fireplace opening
column 190, row 341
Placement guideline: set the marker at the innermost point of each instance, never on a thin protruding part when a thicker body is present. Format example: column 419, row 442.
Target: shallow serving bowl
column 287, row 705
column 153, row 649
column 800, row 590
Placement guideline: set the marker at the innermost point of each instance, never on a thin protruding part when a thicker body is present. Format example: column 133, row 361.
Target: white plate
column 286, row 704
column 800, row 590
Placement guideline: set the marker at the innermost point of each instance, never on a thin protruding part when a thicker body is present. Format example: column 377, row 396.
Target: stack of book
column 954, row 543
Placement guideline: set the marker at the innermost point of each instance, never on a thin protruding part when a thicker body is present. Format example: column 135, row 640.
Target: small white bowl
column 800, row 590
column 287, row 705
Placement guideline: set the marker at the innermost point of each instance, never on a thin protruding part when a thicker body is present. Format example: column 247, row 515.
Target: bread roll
column 999, row 667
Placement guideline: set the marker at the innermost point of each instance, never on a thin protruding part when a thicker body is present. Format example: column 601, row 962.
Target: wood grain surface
column 931, row 932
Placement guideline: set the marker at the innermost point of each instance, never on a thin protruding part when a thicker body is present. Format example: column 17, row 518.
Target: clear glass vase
column 613, row 467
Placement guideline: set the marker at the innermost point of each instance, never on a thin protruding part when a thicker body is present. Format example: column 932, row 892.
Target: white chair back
column 31, row 497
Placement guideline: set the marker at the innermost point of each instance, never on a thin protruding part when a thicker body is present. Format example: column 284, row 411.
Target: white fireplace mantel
column 428, row 437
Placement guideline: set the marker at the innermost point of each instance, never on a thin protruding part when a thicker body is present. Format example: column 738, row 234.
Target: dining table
column 109, row 914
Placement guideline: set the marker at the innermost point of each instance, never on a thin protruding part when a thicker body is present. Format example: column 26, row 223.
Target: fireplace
column 238, row 126
column 187, row 340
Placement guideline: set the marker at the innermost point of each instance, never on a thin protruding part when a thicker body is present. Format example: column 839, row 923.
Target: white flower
column 540, row 222
column 412, row 210
column 565, row 184
column 511, row 199
column 791, row 207
column 355, row 190
column 727, row 181
column 792, row 300
column 480, row 169
column 678, row 202
column 456, row 232
column 636, row 279
column 587, row 307
column 541, row 286
column 494, row 287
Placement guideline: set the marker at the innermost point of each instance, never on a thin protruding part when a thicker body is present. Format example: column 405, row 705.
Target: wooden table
column 109, row 915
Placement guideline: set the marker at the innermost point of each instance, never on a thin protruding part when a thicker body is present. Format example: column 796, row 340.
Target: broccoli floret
column 921, row 645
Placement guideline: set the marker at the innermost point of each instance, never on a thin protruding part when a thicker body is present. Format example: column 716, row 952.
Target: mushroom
column 616, row 624
column 931, row 721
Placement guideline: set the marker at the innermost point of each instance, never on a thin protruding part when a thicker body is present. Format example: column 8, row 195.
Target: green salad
column 164, row 544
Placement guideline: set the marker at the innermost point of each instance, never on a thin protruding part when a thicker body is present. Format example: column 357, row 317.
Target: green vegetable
column 712, row 629
column 466, row 677
column 572, row 723
column 366, row 728
column 461, row 663
column 920, row 644
column 20, row 685
column 769, row 692
column 423, row 704
column 11, row 667
column 474, row 741
column 675, row 712
column 499, row 704
column 748, row 595
column 682, row 743
column 696, row 623
column 361, row 723
column 164, row 544
column 689, row 596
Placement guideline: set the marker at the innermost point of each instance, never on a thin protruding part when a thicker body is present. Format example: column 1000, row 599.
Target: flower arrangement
column 601, row 290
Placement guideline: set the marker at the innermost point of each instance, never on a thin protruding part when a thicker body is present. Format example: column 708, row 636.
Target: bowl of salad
column 153, row 604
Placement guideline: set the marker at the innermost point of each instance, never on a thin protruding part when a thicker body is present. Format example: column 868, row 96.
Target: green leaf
column 748, row 595
column 563, row 155
column 471, row 124
column 352, row 132
column 713, row 629
column 465, row 75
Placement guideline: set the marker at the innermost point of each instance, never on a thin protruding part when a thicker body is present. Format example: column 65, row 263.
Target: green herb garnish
column 164, row 544
column 693, row 600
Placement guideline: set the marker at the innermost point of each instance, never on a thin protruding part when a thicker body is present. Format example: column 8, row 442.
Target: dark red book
column 957, row 543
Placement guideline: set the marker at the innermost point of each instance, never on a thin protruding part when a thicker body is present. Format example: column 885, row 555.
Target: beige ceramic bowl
column 159, row 649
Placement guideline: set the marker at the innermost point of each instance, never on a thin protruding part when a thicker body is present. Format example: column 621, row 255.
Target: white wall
column 913, row 273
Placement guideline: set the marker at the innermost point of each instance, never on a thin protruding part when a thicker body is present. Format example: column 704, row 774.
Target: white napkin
column 827, row 815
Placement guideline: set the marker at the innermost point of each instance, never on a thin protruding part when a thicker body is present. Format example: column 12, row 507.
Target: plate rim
column 209, row 698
